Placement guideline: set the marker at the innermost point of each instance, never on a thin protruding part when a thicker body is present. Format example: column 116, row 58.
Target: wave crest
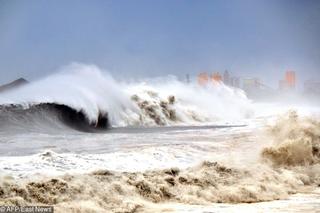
column 46, row 116
column 90, row 92
column 296, row 141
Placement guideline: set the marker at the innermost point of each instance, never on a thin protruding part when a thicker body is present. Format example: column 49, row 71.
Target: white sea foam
column 86, row 88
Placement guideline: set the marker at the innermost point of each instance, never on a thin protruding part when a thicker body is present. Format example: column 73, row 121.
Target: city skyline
column 143, row 39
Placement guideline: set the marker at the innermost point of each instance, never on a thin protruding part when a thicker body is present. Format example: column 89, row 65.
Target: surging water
column 140, row 167
column 255, row 179
column 84, row 88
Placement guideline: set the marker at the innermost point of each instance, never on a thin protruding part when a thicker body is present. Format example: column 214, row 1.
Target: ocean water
column 84, row 142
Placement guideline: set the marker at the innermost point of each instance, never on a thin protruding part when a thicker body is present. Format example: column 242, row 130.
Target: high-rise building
column 216, row 77
column 203, row 79
column 290, row 79
column 234, row 81
column 187, row 78
column 226, row 77
column 251, row 84
column 312, row 87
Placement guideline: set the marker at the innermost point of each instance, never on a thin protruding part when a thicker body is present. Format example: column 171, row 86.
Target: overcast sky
column 145, row 38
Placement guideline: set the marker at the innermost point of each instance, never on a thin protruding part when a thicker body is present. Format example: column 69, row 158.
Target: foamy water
column 181, row 148
column 165, row 101
column 138, row 151
column 241, row 175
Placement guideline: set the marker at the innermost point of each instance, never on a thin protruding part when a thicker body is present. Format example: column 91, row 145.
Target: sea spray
column 94, row 93
column 209, row 182
column 296, row 141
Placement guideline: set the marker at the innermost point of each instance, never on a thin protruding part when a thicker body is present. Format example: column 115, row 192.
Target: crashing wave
column 36, row 116
column 296, row 141
column 292, row 170
column 83, row 92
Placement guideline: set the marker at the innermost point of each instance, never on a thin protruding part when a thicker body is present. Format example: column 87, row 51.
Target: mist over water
column 164, row 101
column 70, row 137
column 286, row 165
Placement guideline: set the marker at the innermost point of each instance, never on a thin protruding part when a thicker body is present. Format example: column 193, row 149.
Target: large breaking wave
column 85, row 98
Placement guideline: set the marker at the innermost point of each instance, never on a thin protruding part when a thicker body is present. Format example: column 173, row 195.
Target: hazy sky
column 134, row 38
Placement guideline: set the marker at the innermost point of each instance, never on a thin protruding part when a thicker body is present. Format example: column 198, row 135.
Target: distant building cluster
column 289, row 81
column 312, row 87
column 254, row 86
column 215, row 78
